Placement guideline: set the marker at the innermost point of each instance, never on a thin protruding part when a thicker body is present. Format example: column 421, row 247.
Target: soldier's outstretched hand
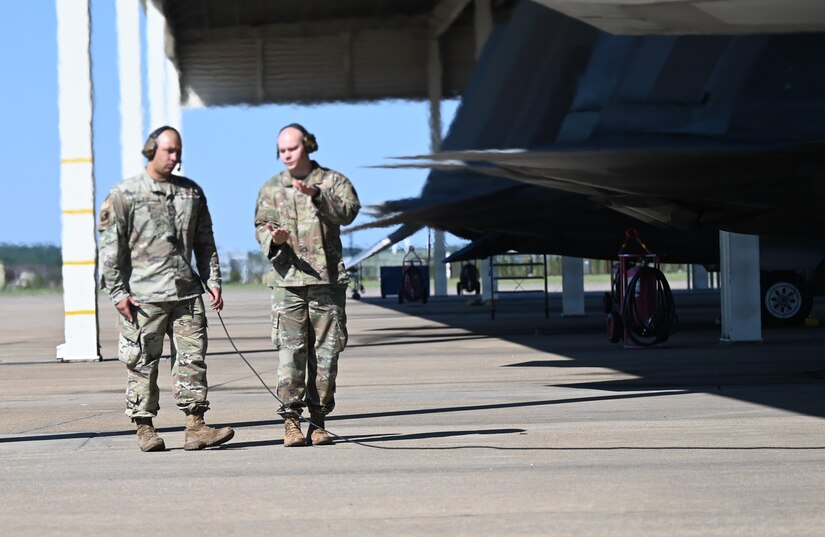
column 303, row 188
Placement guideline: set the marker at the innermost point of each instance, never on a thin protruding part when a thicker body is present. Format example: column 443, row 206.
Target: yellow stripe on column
column 87, row 262
column 78, row 211
column 80, row 312
column 78, row 160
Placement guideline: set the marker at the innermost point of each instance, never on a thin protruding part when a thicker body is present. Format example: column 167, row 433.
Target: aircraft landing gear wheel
column 786, row 299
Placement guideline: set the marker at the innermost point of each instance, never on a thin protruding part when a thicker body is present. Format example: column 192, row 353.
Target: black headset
column 151, row 144
column 309, row 141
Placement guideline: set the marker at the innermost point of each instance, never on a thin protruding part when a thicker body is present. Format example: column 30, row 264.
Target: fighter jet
column 567, row 135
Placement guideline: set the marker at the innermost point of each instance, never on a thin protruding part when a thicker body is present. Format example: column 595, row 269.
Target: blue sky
column 230, row 151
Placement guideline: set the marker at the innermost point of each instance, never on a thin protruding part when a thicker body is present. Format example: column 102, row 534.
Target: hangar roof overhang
column 312, row 51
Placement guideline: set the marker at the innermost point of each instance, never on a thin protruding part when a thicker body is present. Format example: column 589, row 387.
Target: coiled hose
column 657, row 325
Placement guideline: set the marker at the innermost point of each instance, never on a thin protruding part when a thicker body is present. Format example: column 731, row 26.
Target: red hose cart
column 415, row 285
column 640, row 308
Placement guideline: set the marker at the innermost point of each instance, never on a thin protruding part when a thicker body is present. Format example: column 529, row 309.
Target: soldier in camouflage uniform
column 150, row 225
column 298, row 221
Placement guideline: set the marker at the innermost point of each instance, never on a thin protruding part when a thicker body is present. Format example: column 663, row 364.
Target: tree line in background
column 251, row 267
column 34, row 266
column 39, row 265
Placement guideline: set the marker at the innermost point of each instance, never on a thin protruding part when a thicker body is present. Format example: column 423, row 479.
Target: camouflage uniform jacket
column 148, row 231
column 312, row 254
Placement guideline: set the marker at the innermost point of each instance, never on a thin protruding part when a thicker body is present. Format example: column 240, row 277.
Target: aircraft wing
column 773, row 190
column 398, row 235
column 534, row 219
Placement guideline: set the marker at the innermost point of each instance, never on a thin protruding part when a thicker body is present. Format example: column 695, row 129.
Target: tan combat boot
column 148, row 439
column 199, row 435
column 318, row 435
column 292, row 433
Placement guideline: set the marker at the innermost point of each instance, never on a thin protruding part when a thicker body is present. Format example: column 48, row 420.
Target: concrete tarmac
column 467, row 426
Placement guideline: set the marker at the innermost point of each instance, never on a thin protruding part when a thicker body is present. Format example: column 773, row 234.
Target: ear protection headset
column 151, row 144
column 309, row 142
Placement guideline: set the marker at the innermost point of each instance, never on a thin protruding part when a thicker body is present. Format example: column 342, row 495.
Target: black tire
column 458, row 289
column 786, row 299
column 615, row 327
column 469, row 279
column 412, row 284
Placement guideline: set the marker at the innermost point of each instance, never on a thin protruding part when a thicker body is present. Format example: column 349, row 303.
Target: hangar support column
column 130, row 83
column 441, row 19
column 483, row 27
column 483, row 23
column 489, row 285
column 572, row 286
column 739, row 285
column 77, row 183
column 435, row 90
column 700, row 277
column 163, row 79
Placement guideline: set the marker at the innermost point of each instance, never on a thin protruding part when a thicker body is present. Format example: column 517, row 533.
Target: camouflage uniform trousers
column 140, row 347
column 309, row 330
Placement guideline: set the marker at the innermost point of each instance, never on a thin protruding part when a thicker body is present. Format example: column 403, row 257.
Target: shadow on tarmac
column 350, row 417
column 774, row 372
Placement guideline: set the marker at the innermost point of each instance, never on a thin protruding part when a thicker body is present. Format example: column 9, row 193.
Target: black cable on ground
column 302, row 418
